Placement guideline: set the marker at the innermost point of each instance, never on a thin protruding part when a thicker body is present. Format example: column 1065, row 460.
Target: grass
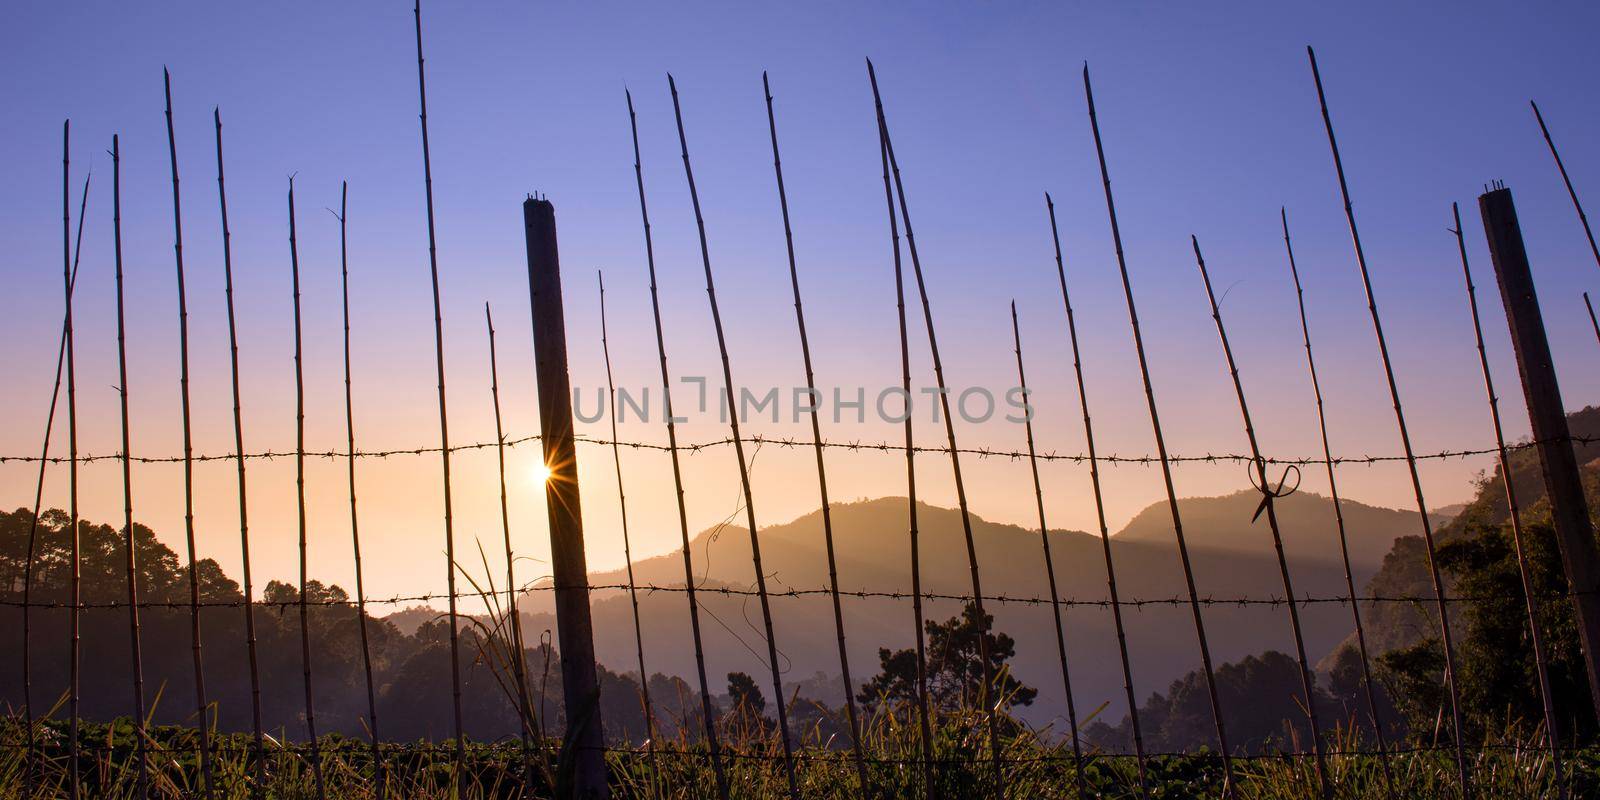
column 1509, row 767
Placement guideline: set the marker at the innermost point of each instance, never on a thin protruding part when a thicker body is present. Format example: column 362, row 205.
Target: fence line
column 789, row 442
column 715, row 752
column 860, row 594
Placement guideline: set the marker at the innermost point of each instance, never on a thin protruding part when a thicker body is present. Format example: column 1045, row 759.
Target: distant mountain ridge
column 1232, row 558
column 1305, row 519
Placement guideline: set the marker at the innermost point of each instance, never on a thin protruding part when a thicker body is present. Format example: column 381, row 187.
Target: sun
column 539, row 474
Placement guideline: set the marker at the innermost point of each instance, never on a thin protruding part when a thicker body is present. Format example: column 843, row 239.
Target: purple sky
column 1211, row 124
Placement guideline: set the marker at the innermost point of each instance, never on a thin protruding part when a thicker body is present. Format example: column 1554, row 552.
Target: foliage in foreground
column 1511, row 766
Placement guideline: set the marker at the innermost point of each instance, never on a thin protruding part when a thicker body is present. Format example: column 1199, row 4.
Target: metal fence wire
column 1272, row 477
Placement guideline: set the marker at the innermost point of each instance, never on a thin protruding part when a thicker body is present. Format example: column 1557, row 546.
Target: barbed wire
column 692, row 448
column 328, row 745
column 860, row 594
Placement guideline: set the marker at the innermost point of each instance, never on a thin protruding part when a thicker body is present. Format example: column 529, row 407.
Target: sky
column 1211, row 125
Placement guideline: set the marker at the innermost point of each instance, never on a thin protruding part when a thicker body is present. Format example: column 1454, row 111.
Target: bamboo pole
column 744, row 469
column 923, row 715
column 1405, row 436
column 1593, row 323
column 1161, row 448
column 239, row 460
column 709, row 717
column 136, row 659
column 1268, row 504
column 985, row 698
column 1100, row 508
column 1338, row 515
column 33, row 524
column 518, row 666
column 1541, row 661
column 1049, row 562
column 75, row 612
column 816, row 441
column 444, row 423
column 1571, row 192
column 188, row 458
column 627, row 547
column 350, row 476
column 300, row 503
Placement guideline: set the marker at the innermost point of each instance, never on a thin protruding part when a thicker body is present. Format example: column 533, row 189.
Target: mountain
column 873, row 555
column 1306, row 520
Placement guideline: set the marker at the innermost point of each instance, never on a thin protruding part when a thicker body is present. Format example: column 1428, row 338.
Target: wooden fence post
column 583, row 744
column 1569, row 511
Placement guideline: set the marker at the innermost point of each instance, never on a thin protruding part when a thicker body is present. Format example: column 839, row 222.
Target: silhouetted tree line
column 411, row 673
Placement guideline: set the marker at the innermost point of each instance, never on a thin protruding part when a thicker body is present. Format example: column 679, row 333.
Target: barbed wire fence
column 995, row 758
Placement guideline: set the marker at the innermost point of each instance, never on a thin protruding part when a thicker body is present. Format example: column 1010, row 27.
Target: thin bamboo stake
column 444, row 424
column 1593, row 323
column 1268, row 504
column 627, row 546
column 188, row 457
column 136, row 657
column 75, row 613
column 518, row 666
column 1100, row 507
column 33, row 524
column 1541, row 661
column 744, row 469
column 707, row 712
column 1338, row 516
column 244, row 512
column 816, row 441
column 985, row 697
column 1571, row 192
column 300, row 503
column 1161, row 448
column 1405, row 436
column 926, row 725
column 350, row 476
column 1049, row 562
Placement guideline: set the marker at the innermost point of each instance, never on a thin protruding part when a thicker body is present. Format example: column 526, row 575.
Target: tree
column 1262, row 702
column 745, row 695
column 955, row 666
column 1499, row 681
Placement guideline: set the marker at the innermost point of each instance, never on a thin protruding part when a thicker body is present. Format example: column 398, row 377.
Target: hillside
column 873, row 554
column 1404, row 571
